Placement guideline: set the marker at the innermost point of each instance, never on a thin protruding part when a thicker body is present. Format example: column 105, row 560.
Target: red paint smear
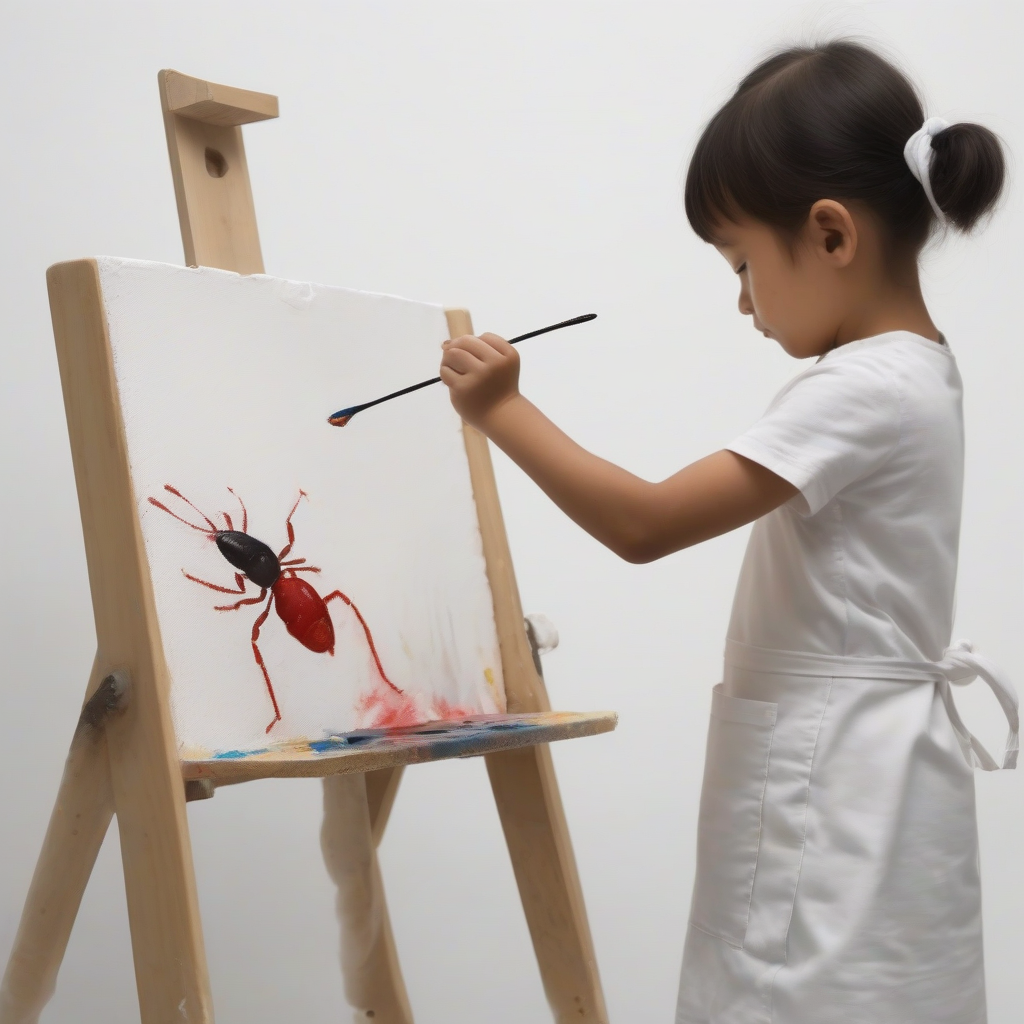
column 445, row 712
column 384, row 709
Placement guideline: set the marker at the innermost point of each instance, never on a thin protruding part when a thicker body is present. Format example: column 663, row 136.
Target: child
column 837, row 868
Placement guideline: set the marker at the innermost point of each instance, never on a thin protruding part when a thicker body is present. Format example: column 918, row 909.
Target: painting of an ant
column 387, row 514
column 298, row 604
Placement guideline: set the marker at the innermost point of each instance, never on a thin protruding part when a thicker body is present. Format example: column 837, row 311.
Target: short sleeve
column 826, row 429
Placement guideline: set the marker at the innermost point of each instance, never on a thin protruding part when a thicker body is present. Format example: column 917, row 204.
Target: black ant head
column 250, row 556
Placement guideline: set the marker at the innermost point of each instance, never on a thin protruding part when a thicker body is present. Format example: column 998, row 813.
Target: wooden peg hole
column 216, row 165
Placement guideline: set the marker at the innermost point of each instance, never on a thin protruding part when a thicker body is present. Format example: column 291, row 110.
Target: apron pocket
column 729, row 825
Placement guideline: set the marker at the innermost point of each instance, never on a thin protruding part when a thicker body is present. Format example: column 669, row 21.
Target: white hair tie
column 918, row 154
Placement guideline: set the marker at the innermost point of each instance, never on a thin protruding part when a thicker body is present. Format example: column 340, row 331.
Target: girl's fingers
column 450, row 370
column 464, row 341
column 488, row 348
column 476, row 347
column 459, row 360
column 496, row 342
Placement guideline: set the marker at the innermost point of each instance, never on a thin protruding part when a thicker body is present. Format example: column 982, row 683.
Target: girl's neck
column 893, row 304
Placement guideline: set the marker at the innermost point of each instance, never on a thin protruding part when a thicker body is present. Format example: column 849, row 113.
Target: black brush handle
column 437, row 380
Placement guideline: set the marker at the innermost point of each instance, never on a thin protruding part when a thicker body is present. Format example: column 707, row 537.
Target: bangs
column 717, row 182
column 755, row 150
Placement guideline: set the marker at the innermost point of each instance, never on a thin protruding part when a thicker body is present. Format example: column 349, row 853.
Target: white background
column 523, row 159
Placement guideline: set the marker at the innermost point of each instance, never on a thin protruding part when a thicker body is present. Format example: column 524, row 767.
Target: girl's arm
column 638, row 520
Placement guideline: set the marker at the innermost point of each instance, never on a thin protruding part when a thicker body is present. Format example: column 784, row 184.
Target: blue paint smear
column 325, row 746
column 228, row 755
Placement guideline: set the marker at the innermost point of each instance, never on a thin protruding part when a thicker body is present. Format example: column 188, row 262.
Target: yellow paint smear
column 489, row 676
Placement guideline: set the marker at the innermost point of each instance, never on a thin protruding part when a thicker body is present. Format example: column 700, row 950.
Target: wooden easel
column 123, row 756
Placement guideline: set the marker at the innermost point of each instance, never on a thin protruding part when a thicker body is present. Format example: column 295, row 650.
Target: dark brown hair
column 830, row 122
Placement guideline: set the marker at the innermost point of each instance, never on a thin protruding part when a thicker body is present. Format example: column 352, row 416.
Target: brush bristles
column 338, row 421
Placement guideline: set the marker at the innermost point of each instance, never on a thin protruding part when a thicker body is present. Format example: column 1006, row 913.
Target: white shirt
column 862, row 562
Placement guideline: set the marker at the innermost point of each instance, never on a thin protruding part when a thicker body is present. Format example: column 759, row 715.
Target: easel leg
column 532, row 817
column 381, row 790
column 81, row 816
column 163, row 909
column 369, row 964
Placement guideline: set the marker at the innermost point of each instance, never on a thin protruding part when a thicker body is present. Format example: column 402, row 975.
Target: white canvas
column 227, row 382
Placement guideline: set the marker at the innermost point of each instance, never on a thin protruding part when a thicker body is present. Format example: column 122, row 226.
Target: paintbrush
column 342, row 416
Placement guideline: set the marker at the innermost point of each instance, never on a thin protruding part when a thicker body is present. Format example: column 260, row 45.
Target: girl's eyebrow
column 721, row 246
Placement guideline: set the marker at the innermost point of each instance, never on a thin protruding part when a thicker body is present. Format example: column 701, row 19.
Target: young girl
column 837, row 868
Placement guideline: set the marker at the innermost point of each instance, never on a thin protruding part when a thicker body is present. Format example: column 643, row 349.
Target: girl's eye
column 741, row 268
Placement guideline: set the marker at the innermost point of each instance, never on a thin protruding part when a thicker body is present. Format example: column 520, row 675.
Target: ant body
column 302, row 610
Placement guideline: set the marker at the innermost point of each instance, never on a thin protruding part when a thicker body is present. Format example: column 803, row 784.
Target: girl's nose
column 746, row 306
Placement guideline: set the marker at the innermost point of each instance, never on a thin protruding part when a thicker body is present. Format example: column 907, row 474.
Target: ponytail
column 967, row 173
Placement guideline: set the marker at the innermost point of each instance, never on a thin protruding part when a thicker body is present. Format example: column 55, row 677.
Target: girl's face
column 795, row 296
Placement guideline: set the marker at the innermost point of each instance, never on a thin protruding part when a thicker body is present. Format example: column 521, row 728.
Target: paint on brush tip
column 338, row 419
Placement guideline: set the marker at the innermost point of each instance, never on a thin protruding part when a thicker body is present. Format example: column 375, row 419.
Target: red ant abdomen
column 304, row 614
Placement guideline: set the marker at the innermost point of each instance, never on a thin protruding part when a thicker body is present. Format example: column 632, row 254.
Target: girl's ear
column 833, row 234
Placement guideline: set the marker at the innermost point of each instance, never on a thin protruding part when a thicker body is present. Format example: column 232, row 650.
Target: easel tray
column 370, row 749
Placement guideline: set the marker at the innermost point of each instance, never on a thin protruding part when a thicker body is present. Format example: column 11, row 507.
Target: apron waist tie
column 960, row 665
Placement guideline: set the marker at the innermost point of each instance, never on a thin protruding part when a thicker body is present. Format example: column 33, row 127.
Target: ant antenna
column 178, row 494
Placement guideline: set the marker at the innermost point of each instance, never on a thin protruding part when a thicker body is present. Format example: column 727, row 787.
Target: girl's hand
column 482, row 374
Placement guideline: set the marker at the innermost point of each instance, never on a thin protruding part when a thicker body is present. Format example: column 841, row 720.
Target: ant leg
column 263, row 668
column 294, row 565
column 238, row 604
column 239, row 583
column 366, row 630
column 291, row 529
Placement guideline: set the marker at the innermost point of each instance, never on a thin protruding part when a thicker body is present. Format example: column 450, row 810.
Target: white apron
column 837, row 866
